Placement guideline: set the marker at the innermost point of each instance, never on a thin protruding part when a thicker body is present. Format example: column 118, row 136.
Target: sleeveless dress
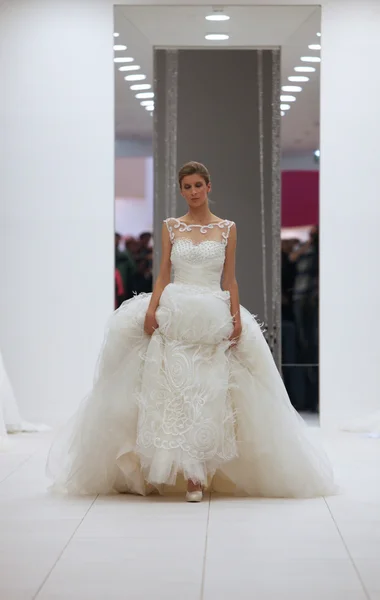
column 10, row 418
column 183, row 404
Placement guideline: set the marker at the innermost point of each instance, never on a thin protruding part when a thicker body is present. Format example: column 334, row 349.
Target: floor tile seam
column 352, row 561
column 42, row 585
column 205, row 551
column 19, row 466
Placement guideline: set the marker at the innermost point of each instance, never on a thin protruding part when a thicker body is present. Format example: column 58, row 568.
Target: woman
column 186, row 392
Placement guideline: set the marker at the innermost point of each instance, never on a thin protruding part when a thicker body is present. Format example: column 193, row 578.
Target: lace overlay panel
column 216, row 232
column 198, row 252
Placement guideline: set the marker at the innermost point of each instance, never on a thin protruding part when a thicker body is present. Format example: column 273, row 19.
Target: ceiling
column 141, row 28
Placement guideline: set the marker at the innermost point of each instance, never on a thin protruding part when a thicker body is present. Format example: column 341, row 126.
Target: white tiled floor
column 130, row 548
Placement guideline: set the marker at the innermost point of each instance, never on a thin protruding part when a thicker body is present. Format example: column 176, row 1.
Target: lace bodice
column 198, row 252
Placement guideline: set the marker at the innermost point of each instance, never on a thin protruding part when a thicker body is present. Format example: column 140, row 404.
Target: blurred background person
column 132, row 246
column 119, row 289
column 305, row 257
column 146, row 240
column 125, row 265
column 143, row 279
column 288, row 272
column 288, row 328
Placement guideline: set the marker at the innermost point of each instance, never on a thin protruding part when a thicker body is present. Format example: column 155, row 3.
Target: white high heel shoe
column 194, row 496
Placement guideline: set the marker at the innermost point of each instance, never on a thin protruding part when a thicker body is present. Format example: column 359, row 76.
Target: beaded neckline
column 180, row 226
column 208, row 225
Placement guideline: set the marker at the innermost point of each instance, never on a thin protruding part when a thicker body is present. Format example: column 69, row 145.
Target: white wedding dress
column 183, row 404
column 369, row 424
column 10, row 418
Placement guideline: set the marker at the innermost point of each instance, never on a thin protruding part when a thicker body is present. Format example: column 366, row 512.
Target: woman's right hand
column 150, row 323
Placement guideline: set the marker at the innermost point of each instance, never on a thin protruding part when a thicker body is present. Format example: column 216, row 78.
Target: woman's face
column 195, row 190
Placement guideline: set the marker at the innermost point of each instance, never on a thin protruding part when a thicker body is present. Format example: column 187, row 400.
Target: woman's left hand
column 236, row 333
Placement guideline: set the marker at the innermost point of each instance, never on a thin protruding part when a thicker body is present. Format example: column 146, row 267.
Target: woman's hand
column 150, row 323
column 236, row 333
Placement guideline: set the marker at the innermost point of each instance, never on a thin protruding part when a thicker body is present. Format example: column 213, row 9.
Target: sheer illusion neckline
column 179, row 229
column 223, row 222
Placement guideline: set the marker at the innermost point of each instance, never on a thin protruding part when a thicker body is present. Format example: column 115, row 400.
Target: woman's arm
column 229, row 282
column 161, row 282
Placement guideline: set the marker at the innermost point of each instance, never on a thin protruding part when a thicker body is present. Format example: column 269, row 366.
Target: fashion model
column 186, row 393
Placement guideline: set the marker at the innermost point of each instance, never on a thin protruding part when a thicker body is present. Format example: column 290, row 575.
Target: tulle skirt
column 369, row 424
column 184, row 404
column 10, row 418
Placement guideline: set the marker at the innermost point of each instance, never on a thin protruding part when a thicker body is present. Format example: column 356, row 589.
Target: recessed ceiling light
column 285, row 106
column 149, row 107
column 217, row 37
column 310, row 59
column 217, row 16
column 319, row 34
column 317, row 153
column 291, row 88
column 130, row 68
column 144, row 95
column 136, row 77
column 147, row 102
column 299, row 78
column 283, row 113
column 141, row 86
column 304, row 69
column 123, row 59
column 287, row 98
column 315, row 47
column 116, row 34
column 118, row 47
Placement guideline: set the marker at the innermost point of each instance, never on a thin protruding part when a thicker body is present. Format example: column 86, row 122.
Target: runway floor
column 132, row 548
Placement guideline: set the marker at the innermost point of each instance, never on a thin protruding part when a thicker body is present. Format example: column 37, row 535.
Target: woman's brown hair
column 193, row 168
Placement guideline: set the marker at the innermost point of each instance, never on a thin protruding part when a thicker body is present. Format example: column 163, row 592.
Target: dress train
column 10, row 418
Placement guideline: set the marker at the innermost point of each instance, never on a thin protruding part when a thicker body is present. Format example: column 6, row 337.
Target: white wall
column 350, row 290
column 298, row 161
column 134, row 195
column 133, row 215
column 133, row 148
column 130, row 177
column 56, row 236
column 60, row 102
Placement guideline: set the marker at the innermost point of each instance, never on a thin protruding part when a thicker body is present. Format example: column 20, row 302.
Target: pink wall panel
column 300, row 198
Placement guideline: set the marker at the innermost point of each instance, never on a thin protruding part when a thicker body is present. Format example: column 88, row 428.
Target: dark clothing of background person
column 143, row 278
column 126, row 266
